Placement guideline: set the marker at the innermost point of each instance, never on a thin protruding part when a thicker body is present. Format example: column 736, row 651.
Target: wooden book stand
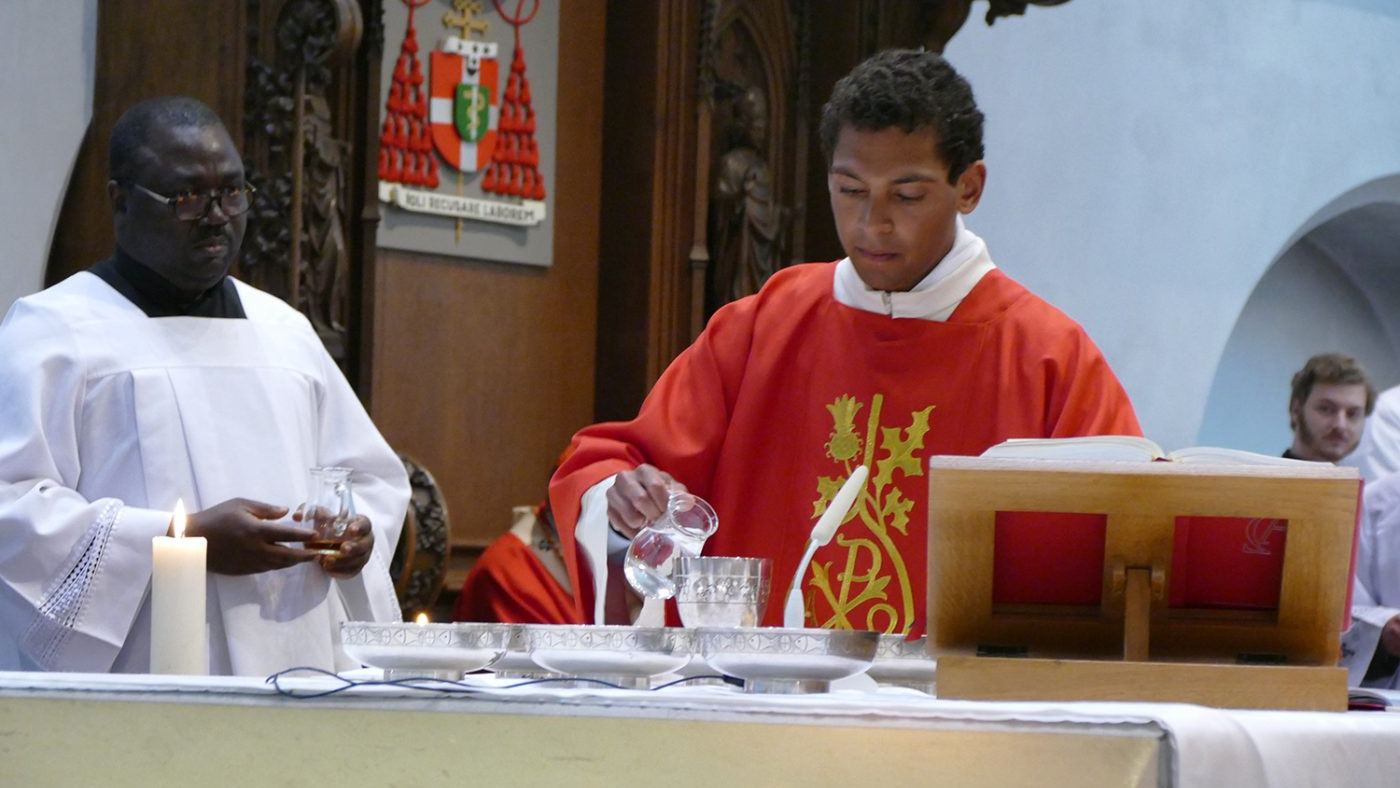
column 1135, row 644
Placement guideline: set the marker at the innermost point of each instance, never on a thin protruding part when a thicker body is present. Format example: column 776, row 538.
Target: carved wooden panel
column 312, row 77
column 752, row 114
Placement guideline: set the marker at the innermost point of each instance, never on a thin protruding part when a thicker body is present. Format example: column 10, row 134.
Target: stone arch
column 1335, row 286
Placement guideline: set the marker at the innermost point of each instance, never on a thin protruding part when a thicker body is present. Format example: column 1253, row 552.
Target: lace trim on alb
column 61, row 608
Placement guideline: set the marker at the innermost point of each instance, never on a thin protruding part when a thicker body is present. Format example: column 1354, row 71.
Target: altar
column 118, row 730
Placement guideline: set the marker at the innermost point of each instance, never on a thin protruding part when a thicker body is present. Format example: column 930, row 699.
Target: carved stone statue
column 1015, row 7
column 325, row 269
column 940, row 20
column 299, row 248
column 749, row 227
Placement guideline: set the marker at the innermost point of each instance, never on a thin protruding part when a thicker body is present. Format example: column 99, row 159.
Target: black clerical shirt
column 158, row 298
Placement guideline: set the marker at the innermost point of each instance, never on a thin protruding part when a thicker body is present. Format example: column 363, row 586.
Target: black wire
column 688, row 679
column 448, row 686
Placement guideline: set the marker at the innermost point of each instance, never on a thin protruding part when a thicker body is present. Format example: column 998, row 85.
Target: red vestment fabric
column 786, row 391
column 509, row 584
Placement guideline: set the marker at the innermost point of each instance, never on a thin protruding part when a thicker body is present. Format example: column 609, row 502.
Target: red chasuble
column 786, row 391
column 509, row 584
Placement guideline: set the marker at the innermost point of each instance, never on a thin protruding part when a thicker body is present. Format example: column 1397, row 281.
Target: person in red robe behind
column 914, row 345
column 519, row 578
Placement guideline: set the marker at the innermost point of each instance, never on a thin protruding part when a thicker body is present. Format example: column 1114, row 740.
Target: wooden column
column 1137, row 614
column 648, row 199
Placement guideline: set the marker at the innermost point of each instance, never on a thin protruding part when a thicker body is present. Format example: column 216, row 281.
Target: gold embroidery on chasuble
column 868, row 587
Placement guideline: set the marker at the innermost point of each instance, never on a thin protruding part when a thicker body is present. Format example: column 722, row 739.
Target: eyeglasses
column 192, row 206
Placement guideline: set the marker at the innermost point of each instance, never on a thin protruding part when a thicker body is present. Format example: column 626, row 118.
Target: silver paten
column 904, row 663
column 404, row 649
column 626, row 656
column 788, row 660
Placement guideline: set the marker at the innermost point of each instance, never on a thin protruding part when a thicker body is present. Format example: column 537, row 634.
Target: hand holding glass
column 328, row 510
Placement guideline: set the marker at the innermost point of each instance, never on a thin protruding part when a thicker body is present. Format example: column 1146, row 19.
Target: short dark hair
column 911, row 89
column 133, row 129
column 1329, row 368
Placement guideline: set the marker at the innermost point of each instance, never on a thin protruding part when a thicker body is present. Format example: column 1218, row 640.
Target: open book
column 1128, row 448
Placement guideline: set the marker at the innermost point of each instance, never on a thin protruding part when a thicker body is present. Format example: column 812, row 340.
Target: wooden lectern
column 1141, row 533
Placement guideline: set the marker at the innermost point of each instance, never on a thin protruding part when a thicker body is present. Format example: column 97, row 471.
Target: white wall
column 1307, row 303
column 1148, row 161
column 47, row 50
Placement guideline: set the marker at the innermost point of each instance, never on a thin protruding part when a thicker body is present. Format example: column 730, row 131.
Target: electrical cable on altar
column 448, row 686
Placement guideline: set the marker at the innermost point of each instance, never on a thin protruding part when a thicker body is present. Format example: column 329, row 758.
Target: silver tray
column 904, row 663
column 404, row 649
column 788, row 660
column 626, row 656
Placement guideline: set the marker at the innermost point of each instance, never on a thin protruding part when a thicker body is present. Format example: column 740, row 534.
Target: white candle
column 178, row 638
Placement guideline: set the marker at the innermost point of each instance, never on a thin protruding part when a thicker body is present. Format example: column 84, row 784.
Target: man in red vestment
column 915, row 344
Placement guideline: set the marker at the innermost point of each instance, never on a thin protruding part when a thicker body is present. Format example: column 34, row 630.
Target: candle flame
column 421, row 619
column 177, row 520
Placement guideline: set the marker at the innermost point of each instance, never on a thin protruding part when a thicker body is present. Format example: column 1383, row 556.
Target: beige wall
column 483, row 371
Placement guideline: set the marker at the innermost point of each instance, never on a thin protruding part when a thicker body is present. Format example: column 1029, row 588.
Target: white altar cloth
column 1199, row 746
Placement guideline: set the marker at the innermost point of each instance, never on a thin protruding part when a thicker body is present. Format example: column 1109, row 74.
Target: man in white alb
column 1371, row 648
column 1328, row 402
column 1379, row 452
column 154, row 376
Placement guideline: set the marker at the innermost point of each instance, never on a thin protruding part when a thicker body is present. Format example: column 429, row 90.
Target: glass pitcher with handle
column 329, row 508
column 681, row 530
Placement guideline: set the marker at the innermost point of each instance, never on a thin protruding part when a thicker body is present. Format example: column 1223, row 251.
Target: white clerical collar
column 935, row 296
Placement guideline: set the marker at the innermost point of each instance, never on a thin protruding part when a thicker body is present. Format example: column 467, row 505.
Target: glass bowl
column 722, row 591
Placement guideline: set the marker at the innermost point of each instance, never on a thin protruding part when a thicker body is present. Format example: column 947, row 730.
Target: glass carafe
column 681, row 530
column 329, row 508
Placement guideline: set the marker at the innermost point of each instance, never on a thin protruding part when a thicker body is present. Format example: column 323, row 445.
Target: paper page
column 1122, row 448
column 1216, row 455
